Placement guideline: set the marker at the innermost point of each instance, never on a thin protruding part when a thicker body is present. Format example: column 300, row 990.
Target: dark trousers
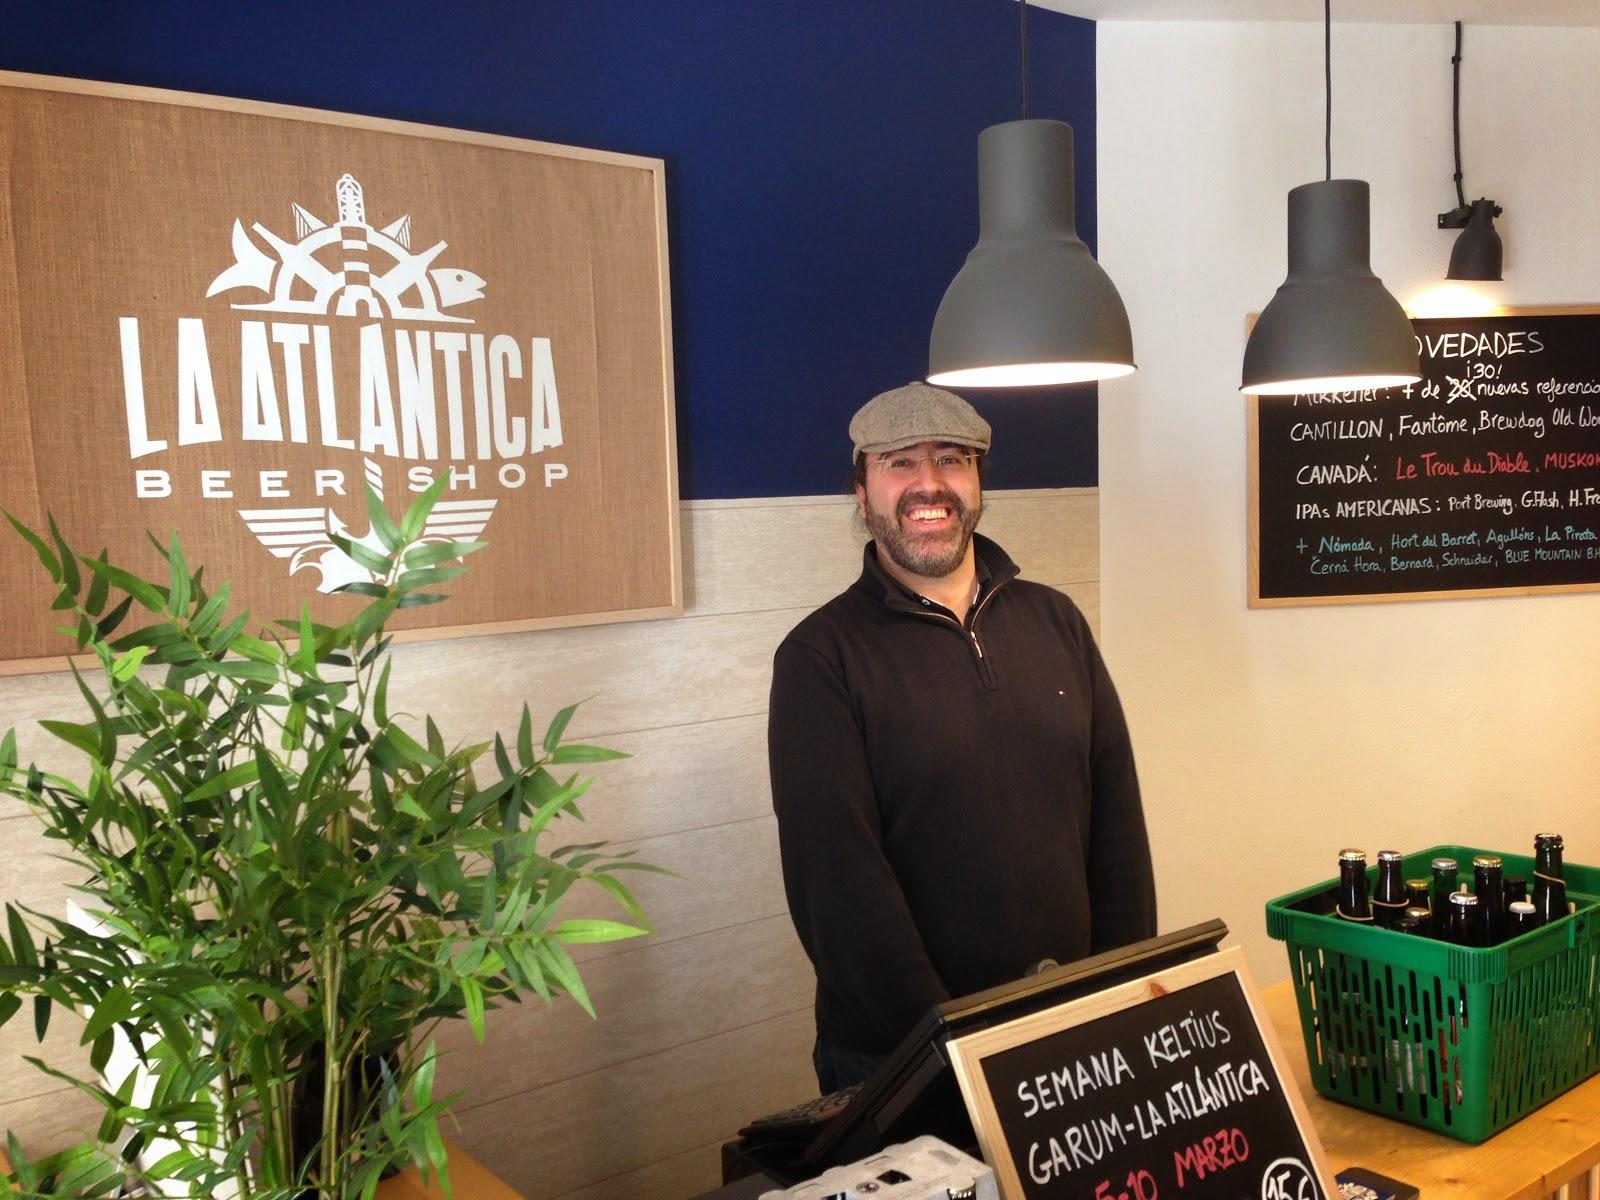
column 839, row 1067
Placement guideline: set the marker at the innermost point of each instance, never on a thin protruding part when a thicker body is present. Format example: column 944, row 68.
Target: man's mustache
column 923, row 499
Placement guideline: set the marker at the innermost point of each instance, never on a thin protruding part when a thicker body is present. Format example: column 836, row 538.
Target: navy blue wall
column 821, row 170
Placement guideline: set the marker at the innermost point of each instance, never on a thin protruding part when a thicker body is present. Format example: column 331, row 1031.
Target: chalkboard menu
column 1483, row 479
column 1160, row 1088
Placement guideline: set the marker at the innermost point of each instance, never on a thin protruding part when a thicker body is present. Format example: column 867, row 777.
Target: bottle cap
column 1444, row 864
column 1420, row 914
column 1486, row 860
column 1388, row 856
column 1547, row 839
column 1416, row 883
column 1359, row 856
column 1522, row 906
column 1463, row 898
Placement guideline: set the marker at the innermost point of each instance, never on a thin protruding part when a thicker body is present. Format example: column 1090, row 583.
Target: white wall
column 1268, row 739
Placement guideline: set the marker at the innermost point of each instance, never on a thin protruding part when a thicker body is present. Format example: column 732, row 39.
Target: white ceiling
column 1392, row 12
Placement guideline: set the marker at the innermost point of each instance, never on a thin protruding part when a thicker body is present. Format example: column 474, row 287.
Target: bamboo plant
column 294, row 881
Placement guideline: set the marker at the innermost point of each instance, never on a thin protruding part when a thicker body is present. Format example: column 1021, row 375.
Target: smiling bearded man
column 951, row 771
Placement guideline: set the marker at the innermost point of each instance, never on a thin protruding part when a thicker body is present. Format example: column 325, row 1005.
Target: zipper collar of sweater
column 994, row 568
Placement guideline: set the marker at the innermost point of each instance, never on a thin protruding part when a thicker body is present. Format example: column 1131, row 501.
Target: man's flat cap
column 916, row 413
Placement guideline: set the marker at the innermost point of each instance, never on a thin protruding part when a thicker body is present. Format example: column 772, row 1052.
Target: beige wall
column 1268, row 739
column 706, row 1023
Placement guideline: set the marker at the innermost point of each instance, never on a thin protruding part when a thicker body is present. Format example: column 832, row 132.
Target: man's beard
column 931, row 556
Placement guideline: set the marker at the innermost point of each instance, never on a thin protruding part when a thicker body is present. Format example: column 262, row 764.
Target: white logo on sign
column 303, row 535
column 331, row 269
column 1288, row 1179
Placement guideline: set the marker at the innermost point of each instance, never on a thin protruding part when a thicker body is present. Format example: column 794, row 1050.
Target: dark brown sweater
column 954, row 802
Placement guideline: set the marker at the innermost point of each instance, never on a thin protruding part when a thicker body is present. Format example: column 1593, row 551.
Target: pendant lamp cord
column 1455, row 64
column 1327, row 88
column 1022, row 15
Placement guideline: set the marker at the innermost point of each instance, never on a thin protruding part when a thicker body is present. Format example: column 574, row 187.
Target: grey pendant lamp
column 1030, row 306
column 1477, row 253
column 1332, row 326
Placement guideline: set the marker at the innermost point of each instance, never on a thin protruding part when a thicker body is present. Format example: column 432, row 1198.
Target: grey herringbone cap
column 916, row 413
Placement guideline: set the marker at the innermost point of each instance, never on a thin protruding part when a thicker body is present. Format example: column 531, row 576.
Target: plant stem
column 333, row 1070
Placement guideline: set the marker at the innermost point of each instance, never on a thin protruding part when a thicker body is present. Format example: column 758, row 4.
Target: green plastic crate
column 1461, row 1041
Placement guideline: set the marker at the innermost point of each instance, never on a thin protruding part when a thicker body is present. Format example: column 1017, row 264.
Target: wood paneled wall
column 707, row 1022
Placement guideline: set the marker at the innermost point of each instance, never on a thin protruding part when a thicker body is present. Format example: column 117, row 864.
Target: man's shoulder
column 1046, row 603
column 825, row 627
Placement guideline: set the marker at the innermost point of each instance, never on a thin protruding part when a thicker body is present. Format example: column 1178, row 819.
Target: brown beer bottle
column 1353, row 903
column 1389, row 898
column 1549, row 886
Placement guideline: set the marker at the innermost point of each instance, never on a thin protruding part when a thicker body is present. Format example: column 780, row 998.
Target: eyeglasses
column 906, row 466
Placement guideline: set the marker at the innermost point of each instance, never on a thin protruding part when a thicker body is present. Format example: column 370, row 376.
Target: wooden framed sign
column 223, row 318
column 1168, row 1086
column 1482, row 480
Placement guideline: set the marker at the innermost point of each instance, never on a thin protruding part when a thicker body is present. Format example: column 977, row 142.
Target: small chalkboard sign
column 1168, row 1086
column 1483, row 479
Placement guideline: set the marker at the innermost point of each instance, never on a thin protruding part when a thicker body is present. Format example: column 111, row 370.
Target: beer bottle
column 1522, row 917
column 1418, row 920
column 1353, row 905
column 1466, row 928
column 1488, row 874
column 1549, row 886
column 1444, row 882
column 1417, row 893
column 1389, row 898
column 1516, row 889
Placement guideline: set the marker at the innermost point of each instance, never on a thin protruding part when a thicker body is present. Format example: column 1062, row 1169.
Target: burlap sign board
column 221, row 318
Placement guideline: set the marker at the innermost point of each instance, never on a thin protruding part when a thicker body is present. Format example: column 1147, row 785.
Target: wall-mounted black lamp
column 1476, row 254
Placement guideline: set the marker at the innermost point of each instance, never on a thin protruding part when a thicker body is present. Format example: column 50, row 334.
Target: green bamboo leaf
column 525, row 738
column 84, row 737
column 107, row 624
column 21, row 939
column 426, row 577
column 382, row 523
column 595, row 930
column 623, row 896
column 126, row 665
column 96, row 599
column 150, row 596
column 435, row 738
column 560, row 968
column 10, row 1003
column 33, row 539
column 573, row 753
column 70, row 580
column 416, row 516
column 363, row 588
column 178, row 591
column 472, row 997
column 116, row 1005
column 255, row 672
column 41, row 1017
column 431, row 554
column 422, row 1082
column 256, row 650
column 370, row 559
column 210, row 614
column 558, row 726
column 501, row 758
column 418, row 599
column 380, row 696
column 241, row 775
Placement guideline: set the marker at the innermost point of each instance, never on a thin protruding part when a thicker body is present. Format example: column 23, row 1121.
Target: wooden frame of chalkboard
column 1173, row 1084
column 1483, row 480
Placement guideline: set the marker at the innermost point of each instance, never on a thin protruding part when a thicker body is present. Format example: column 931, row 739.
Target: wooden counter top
column 1551, row 1147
